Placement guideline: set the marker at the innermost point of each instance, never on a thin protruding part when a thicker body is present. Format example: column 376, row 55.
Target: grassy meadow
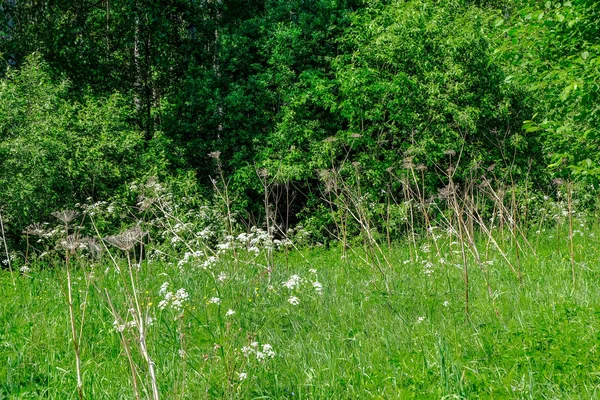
column 310, row 323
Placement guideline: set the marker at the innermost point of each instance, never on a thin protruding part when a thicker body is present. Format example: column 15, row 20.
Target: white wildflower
column 214, row 300
column 163, row 288
column 293, row 300
column 294, row 282
column 267, row 350
column 318, row 287
column 229, row 313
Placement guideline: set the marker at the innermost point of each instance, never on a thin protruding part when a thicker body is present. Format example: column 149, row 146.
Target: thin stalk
column 12, row 275
column 73, row 330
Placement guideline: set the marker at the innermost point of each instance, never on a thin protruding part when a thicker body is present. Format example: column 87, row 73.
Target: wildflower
column 427, row 268
column 293, row 283
column 420, row 319
column 318, row 287
column 25, row 269
column 214, row 300
column 446, row 303
column 312, row 271
column 267, row 350
column 222, row 276
column 163, row 288
column 172, row 300
column 182, row 353
column 293, row 300
column 246, row 350
column 242, row 376
column 229, row 313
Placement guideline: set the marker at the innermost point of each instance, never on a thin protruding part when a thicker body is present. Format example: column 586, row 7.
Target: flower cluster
column 260, row 352
column 296, row 282
column 175, row 301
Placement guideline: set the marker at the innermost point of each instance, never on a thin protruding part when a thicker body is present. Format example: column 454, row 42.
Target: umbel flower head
column 65, row 216
column 71, row 243
column 35, row 229
column 127, row 239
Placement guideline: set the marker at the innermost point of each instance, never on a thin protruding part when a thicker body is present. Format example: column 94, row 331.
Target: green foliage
column 552, row 49
column 412, row 80
column 56, row 152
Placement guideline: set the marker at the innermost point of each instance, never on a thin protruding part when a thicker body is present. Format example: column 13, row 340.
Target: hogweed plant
column 140, row 318
column 71, row 243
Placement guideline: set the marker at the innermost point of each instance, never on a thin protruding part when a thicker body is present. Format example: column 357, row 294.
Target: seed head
column 65, row 216
column 127, row 239
column 35, row 229
column 558, row 181
column 450, row 152
column 71, row 243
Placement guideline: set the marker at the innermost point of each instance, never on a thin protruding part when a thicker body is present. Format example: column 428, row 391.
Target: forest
column 312, row 199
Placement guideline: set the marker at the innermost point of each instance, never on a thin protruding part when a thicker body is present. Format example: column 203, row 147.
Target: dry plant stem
column 84, row 307
column 142, row 333
column 504, row 210
column 104, row 245
column 570, row 211
column 73, row 330
column 468, row 230
column 514, row 225
column 423, row 203
column 125, row 347
column 183, row 355
column 12, row 275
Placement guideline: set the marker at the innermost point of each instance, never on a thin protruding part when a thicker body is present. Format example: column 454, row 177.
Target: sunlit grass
column 352, row 341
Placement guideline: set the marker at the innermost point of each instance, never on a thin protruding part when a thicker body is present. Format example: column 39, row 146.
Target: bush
column 56, row 152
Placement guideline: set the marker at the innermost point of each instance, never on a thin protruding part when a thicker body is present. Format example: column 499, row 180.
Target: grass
column 537, row 339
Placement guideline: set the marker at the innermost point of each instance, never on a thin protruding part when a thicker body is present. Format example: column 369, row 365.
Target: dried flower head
column 356, row 136
column 491, row 167
column 445, row 192
column 65, row 216
column 421, row 168
column 35, row 229
column 127, row 239
column 450, row 152
column 330, row 139
column 215, row 154
column 263, row 173
column 558, row 181
column 71, row 243
column 93, row 246
column 485, row 182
